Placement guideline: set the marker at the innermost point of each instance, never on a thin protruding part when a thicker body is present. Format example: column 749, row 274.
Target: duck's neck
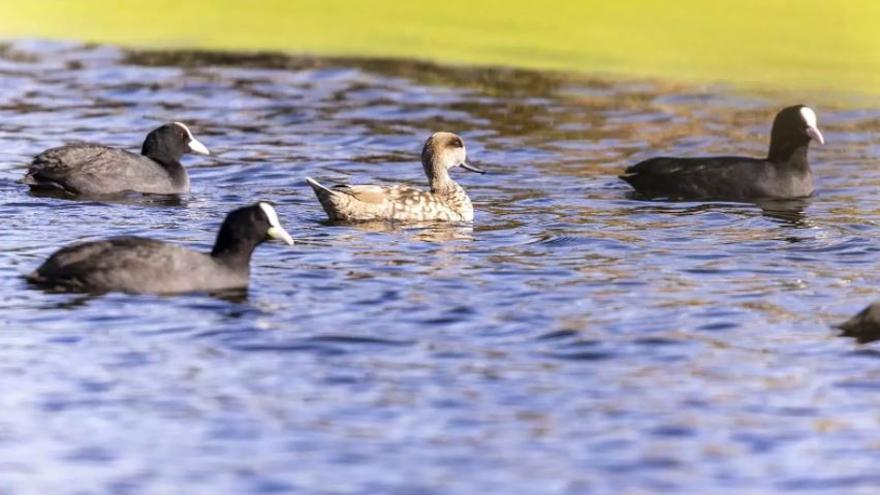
column 440, row 181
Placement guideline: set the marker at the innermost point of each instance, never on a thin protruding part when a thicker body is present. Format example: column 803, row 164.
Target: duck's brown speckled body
column 445, row 201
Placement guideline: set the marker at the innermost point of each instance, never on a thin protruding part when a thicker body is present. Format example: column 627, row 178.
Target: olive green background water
column 811, row 45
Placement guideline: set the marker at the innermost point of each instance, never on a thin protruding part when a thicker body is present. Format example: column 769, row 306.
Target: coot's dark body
column 722, row 177
column 784, row 174
column 865, row 326
column 141, row 265
column 86, row 169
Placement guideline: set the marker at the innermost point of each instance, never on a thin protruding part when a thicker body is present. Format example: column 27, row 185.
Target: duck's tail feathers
column 326, row 196
column 319, row 189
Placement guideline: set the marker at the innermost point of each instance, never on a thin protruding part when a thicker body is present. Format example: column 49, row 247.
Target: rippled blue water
column 574, row 341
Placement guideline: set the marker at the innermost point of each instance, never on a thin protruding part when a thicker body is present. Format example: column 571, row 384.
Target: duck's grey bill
column 468, row 166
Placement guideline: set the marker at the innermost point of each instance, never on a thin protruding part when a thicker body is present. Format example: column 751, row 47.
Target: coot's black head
column 246, row 228
column 168, row 143
column 793, row 128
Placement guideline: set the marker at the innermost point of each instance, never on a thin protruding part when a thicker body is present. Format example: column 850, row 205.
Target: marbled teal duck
column 446, row 201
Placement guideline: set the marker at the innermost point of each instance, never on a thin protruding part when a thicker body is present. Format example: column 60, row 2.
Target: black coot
column 784, row 174
column 865, row 326
column 140, row 265
column 86, row 169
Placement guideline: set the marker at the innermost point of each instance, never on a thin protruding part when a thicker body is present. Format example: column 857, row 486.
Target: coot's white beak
column 276, row 231
column 815, row 135
column 196, row 147
column 280, row 234
column 809, row 117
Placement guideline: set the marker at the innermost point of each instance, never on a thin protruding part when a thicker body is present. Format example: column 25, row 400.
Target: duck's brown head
column 443, row 151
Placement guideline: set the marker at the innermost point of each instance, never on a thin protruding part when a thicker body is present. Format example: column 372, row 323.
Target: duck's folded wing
column 366, row 194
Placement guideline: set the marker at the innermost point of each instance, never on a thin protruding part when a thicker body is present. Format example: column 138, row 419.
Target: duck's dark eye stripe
column 456, row 143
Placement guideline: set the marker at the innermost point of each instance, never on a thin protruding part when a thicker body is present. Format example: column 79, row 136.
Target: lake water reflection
column 574, row 340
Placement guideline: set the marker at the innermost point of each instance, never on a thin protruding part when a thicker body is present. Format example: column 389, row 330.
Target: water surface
column 573, row 341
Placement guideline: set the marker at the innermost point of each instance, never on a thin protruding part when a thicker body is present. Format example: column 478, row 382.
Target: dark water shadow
column 83, row 296
column 128, row 198
column 791, row 212
column 418, row 231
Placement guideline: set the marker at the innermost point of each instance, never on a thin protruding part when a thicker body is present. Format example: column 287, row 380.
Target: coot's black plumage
column 865, row 326
column 784, row 174
column 86, row 169
column 140, row 265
